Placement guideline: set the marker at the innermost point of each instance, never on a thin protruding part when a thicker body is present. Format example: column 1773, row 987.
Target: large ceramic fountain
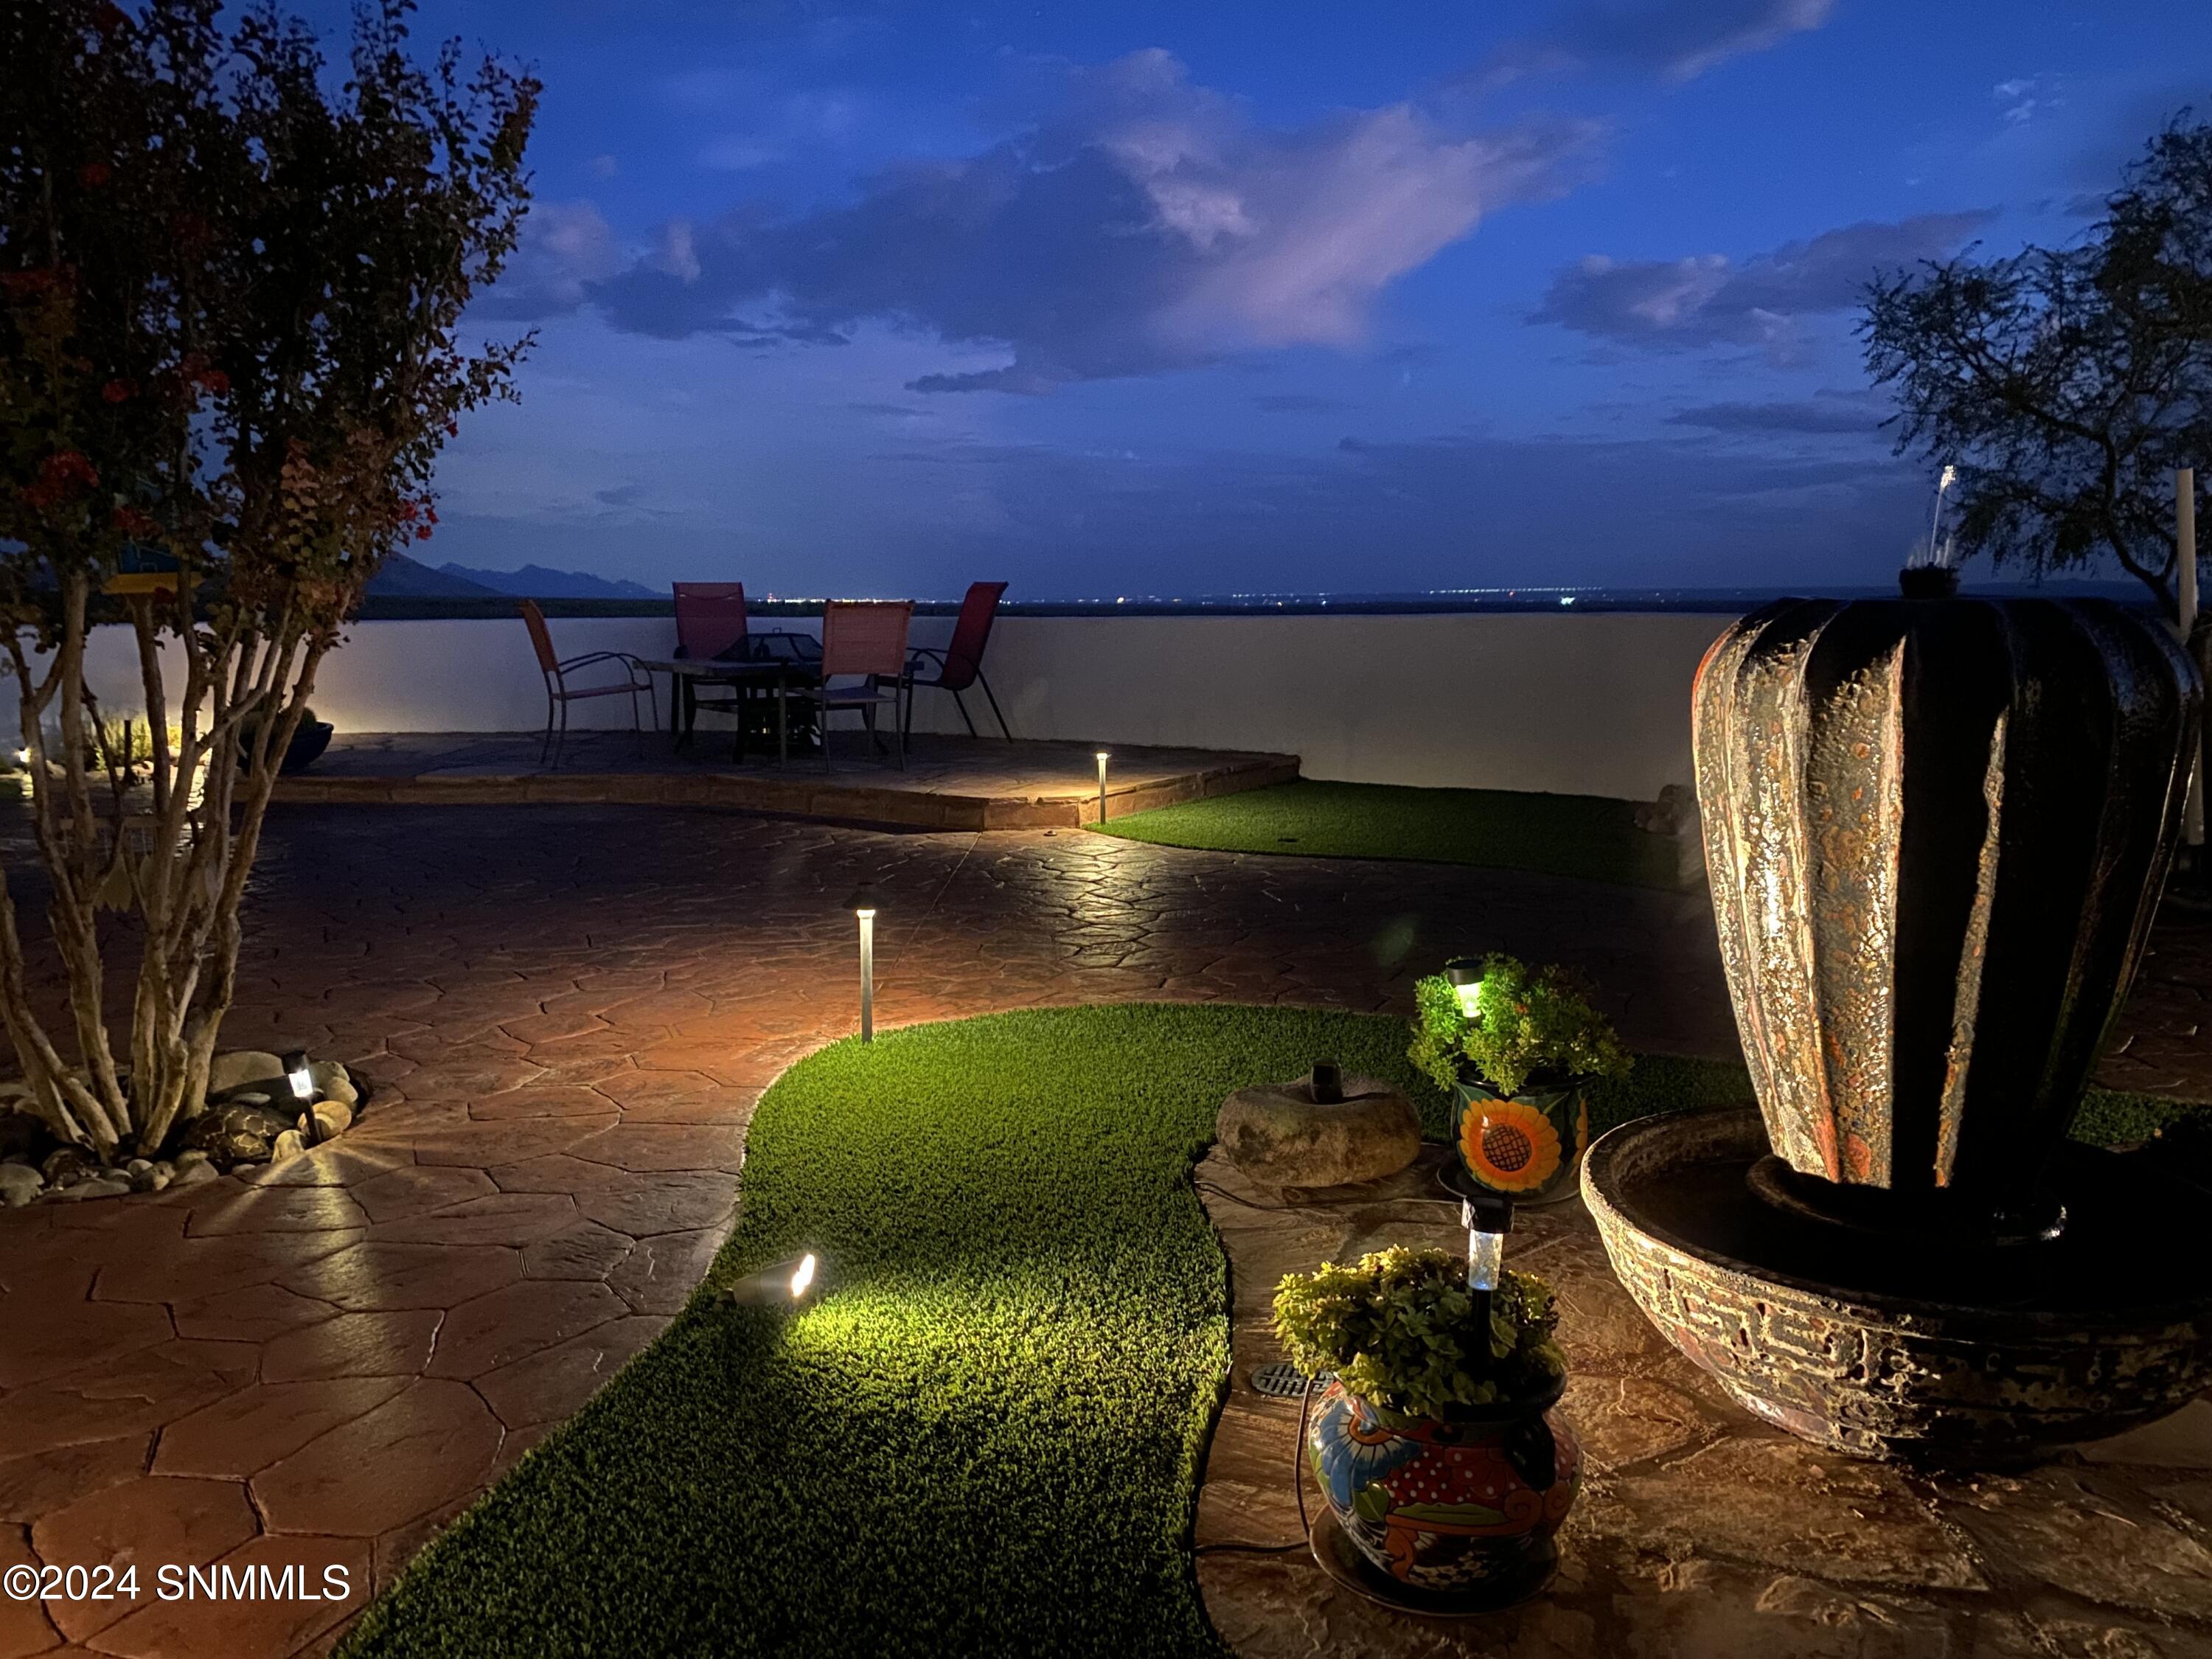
column 1936, row 830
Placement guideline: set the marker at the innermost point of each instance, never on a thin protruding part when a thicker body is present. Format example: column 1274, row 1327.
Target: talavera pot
column 1937, row 831
column 1528, row 1147
column 1464, row 1508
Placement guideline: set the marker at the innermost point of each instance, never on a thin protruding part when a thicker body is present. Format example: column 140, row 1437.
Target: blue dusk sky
column 876, row 299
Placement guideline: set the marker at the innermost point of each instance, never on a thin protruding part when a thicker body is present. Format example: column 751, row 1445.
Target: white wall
column 1597, row 703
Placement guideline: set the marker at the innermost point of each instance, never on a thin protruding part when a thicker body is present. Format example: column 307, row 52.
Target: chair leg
column 961, row 704
column 904, row 723
column 545, row 748
column 560, row 742
column 1004, row 728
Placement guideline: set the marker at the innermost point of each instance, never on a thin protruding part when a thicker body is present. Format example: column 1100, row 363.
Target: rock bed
column 250, row 1118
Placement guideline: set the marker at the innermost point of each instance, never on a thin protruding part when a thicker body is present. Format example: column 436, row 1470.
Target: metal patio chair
column 868, row 639
column 559, row 694
column 710, row 622
column 960, row 665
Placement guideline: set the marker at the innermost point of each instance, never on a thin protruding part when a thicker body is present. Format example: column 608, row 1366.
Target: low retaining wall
column 1580, row 704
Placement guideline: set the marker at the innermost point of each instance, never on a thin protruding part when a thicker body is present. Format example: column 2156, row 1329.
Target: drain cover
column 1280, row 1381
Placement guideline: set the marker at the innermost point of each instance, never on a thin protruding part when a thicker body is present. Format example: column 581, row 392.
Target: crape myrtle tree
column 232, row 281
column 2068, row 384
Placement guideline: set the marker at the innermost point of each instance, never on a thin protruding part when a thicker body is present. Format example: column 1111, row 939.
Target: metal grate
column 1281, row 1379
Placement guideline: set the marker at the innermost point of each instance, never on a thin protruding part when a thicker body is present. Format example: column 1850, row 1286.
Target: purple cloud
column 1825, row 413
column 1149, row 224
column 1708, row 299
column 1683, row 38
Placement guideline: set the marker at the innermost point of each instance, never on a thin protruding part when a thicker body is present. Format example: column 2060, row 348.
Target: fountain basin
column 1890, row 1347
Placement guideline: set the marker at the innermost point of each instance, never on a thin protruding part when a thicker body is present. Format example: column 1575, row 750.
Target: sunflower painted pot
column 1528, row 1146
column 1459, row 1508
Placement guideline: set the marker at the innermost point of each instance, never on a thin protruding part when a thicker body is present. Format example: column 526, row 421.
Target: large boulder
column 1279, row 1135
column 245, row 1068
column 237, row 1133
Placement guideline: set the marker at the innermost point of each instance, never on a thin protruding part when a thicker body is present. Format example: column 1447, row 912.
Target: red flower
column 215, row 381
column 108, row 18
column 67, row 466
column 117, row 391
column 92, row 174
column 132, row 522
column 422, row 532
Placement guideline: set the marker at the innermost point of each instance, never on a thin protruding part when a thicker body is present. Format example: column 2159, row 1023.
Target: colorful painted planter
column 1528, row 1147
column 1457, row 1508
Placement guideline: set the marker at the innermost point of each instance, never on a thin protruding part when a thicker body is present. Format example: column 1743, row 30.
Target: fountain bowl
column 1902, row 1348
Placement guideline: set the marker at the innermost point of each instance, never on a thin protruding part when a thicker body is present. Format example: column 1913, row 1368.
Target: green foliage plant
column 231, row 291
column 1531, row 1027
column 1403, row 1331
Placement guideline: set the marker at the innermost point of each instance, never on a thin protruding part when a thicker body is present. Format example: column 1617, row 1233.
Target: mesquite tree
column 231, row 298
column 2068, row 384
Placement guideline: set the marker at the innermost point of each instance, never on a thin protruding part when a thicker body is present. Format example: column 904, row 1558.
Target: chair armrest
column 624, row 657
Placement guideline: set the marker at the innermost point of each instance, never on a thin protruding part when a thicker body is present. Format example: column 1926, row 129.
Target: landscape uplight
column 301, row 1080
column 1465, row 974
column 863, row 905
column 785, row 1285
column 1102, row 786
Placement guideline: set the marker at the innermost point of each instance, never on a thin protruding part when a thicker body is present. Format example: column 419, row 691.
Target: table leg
column 782, row 724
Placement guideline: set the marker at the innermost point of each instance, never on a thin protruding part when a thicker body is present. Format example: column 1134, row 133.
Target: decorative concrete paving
column 567, row 1013
column 1700, row 1531
column 948, row 782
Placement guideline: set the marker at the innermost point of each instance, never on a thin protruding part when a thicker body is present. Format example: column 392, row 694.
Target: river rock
column 187, row 1159
column 290, row 1144
column 109, row 1183
column 241, row 1068
column 1278, row 1134
column 333, row 1082
column 64, row 1167
column 194, row 1174
column 332, row 1118
column 19, row 1184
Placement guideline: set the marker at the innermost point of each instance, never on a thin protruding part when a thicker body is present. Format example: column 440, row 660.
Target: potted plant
column 1432, row 1441
column 1517, row 1049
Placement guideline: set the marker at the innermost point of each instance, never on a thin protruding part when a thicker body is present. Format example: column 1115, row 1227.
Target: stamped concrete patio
column 569, row 1014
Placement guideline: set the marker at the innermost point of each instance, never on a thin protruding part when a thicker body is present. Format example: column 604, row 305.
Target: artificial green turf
column 1587, row 835
column 985, row 1437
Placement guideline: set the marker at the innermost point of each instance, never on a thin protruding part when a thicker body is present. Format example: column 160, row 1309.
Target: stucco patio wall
column 1596, row 703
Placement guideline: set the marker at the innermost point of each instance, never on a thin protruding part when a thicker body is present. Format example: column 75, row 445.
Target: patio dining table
column 782, row 668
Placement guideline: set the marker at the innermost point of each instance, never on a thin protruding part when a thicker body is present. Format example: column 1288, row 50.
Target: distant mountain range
column 403, row 578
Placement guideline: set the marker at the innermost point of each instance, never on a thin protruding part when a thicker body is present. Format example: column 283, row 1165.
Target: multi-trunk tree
column 2069, row 384
column 231, row 287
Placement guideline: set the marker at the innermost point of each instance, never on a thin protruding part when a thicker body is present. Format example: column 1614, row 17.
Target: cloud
column 2020, row 100
column 1708, row 299
column 1147, row 225
column 1683, row 38
column 564, row 248
column 629, row 494
column 1824, row 413
column 1680, row 39
column 1297, row 403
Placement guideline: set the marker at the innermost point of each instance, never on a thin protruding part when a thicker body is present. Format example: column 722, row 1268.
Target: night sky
column 1179, row 300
